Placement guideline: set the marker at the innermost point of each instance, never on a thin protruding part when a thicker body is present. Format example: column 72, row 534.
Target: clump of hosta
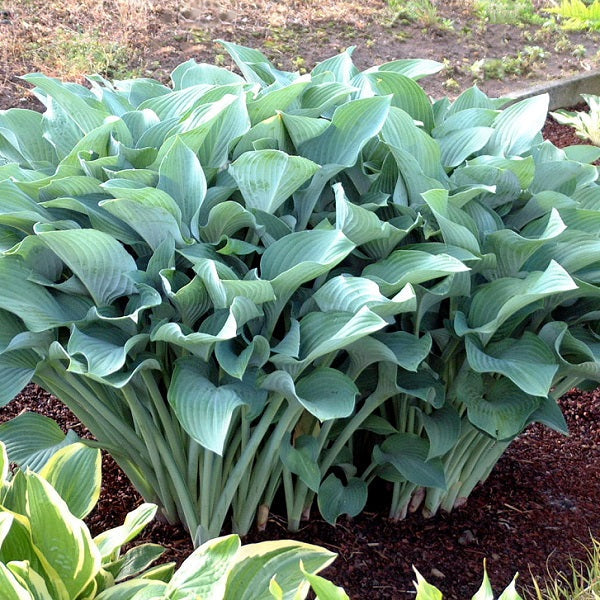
column 245, row 284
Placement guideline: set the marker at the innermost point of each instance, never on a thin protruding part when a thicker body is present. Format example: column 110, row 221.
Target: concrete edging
column 564, row 92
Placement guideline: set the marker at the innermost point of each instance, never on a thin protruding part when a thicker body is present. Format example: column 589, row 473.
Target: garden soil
column 148, row 38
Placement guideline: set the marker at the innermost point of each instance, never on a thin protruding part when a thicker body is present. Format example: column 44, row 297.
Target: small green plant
column 586, row 124
column 509, row 12
column 47, row 552
column 581, row 581
column 523, row 63
column 426, row 591
column 576, row 15
column 423, row 12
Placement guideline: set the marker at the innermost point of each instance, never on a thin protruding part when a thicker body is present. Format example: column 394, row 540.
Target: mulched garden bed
column 539, row 506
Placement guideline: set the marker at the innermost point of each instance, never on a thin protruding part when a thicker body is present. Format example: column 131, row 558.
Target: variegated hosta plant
column 250, row 283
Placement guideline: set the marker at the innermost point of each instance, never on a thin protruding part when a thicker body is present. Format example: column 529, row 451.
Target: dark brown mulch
column 533, row 514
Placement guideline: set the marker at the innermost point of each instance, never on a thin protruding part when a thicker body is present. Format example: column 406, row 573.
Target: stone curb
column 564, row 92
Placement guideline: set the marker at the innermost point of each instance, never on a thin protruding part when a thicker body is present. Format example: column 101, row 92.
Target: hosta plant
column 586, row 124
column 47, row 552
column 246, row 284
column 427, row 591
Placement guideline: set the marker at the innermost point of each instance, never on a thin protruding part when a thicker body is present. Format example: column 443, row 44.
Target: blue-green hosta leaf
column 406, row 94
column 176, row 103
column 270, row 101
column 97, row 259
column 582, row 153
column 475, row 98
column 74, row 471
column 352, row 125
column 457, row 146
column 401, row 131
column 301, row 128
column 302, row 256
column 271, row 131
column 493, row 303
column 226, row 219
column 301, row 459
column 410, row 266
column 61, row 538
column 31, row 439
column 577, row 350
column 204, row 573
column 192, row 73
column 496, row 406
column 443, row 427
column 325, row 393
column 234, row 358
column 16, row 371
column 81, row 107
column 458, row 228
column 361, row 225
column 109, row 542
column 471, row 117
column 257, row 564
column 211, row 131
column 39, row 309
column 409, row 453
column 516, row 127
column 415, row 68
column 150, row 212
column 223, row 325
column 340, row 67
column 320, row 98
column 223, row 292
column 103, row 347
column 203, row 409
column 267, row 178
column 23, row 129
column 19, row 209
column 348, row 294
column 181, row 176
column 409, row 351
column 512, row 249
column 528, row 362
column 191, row 300
column 337, row 499
column 321, row 333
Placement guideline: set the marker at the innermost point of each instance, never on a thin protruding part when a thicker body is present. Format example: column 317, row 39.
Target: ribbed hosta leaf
column 499, row 407
column 443, row 427
column 267, row 178
column 528, row 362
column 98, row 260
column 301, row 459
column 347, row 294
column 516, row 127
column 203, row 409
column 31, row 439
column 302, row 256
column 410, row 266
column 336, row 499
column 352, row 125
column 408, row 453
column 457, row 146
column 182, row 177
column 495, row 302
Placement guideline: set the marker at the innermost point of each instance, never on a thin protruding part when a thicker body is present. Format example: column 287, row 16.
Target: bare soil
column 124, row 37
